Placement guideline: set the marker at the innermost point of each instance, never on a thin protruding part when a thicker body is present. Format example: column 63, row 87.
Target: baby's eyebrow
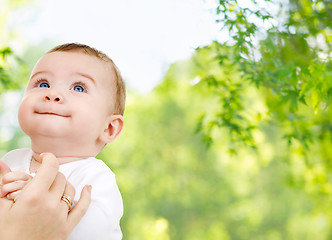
column 87, row 76
column 32, row 76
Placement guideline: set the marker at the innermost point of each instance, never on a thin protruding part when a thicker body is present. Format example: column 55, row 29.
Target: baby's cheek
column 23, row 114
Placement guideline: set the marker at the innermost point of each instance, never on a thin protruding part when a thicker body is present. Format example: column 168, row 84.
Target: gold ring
column 67, row 200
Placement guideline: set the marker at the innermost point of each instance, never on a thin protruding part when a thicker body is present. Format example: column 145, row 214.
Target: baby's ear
column 113, row 128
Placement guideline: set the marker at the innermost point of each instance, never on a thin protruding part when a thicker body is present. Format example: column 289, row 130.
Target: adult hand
column 38, row 212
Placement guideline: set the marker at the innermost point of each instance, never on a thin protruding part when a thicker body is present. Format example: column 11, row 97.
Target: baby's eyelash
column 82, row 84
column 39, row 81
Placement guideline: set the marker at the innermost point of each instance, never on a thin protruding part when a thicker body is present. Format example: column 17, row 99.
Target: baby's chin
column 49, row 133
column 50, row 127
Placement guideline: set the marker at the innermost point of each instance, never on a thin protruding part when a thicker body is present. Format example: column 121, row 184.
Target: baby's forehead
column 80, row 56
column 76, row 62
column 77, row 58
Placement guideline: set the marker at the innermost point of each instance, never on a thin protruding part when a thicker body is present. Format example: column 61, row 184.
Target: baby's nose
column 52, row 96
column 55, row 99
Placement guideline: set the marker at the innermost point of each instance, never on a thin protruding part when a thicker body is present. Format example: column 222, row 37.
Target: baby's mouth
column 52, row 113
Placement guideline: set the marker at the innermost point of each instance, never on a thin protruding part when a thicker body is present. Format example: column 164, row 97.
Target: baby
column 72, row 107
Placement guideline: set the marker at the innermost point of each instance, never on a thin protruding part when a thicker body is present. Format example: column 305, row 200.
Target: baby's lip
column 52, row 113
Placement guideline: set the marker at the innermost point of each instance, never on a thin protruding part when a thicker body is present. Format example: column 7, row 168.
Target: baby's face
column 69, row 95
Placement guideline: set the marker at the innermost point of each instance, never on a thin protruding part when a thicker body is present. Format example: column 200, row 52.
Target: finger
column 15, row 176
column 70, row 192
column 12, row 187
column 13, row 195
column 80, row 208
column 5, row 204
column 46, row 174
column 4, row 168
column 58, row 186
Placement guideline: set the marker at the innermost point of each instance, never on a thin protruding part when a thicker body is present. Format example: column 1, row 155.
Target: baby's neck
column 36, row 161
column 65, row 150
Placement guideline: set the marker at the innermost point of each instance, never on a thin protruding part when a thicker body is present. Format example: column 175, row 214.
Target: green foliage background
column 235, row 143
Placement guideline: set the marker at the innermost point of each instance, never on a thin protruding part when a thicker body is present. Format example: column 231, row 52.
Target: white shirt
column 102, row 219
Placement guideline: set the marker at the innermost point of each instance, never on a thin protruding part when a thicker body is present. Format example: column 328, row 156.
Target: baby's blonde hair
column 120, row 97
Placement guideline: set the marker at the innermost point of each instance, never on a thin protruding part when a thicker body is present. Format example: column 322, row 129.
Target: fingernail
column 89, row 188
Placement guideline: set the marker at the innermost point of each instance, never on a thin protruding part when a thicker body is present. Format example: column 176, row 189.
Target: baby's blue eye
column 78, row 88
column 44, row 85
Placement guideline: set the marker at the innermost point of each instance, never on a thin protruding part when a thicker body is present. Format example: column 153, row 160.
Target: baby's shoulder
column 17, row 153
column 93, row 172
column 90, row 168
column 18, row 158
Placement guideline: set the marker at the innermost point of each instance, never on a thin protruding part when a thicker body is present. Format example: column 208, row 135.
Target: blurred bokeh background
column 228, row 119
